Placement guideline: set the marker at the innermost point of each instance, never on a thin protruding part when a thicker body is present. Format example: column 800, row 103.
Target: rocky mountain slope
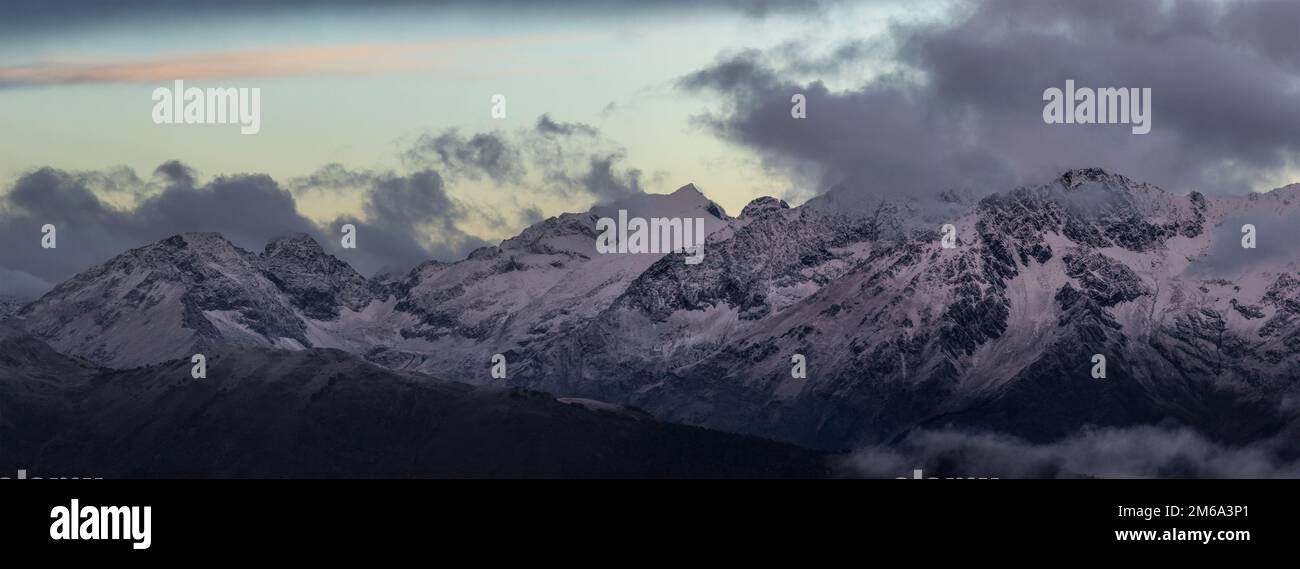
column 998, row 332
column 191, row 293
column 325, row 413
column 9, row 306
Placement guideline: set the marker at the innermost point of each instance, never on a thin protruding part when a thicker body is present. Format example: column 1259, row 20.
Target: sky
column 381, row 115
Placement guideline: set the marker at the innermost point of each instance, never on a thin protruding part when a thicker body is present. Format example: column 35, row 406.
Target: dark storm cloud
column 1269, row 28
column 408, row 217
column 484, row 154
column 570, row 158
column 598, row 175
column 606, row 180
column 574, row 159
column 1137, row 452
column 58, row 198
column 332, row 177
column 885, row 138
column 35, row 15
column 795, row 57
column 549, row 127
column 116, row 181
column 408, row 205
column 174, row 172
column 532, row 214
column 1276, row 235
column 965, row 110
column 248, row 210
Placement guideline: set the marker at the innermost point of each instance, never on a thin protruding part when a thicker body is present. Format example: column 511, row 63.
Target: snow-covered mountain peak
column 297, row 245
column 760, row 206
column 181, row 257
column 691, row 194
column 10, row 305
column 164, row 300
column 686, row 201
column 1076, row 176
column 1094, row 179
column 898, row 330
column 318, row 284
column 201, row 243
column 575, row 233
column 1290, row 193
column 689, row 189
column 569, row 232
column 1093, row 190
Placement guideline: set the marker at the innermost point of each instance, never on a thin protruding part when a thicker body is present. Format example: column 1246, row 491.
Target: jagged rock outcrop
column 899, row 332
column 318, row 284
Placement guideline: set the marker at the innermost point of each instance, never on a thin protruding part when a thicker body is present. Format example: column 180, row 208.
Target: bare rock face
column 9, row 306
column 1108, row 282
column 762, row 206
column 318, row 284
column 997, row 332
column 267, row 413
column 166, row 300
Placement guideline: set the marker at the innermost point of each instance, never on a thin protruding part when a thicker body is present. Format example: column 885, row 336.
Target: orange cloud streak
column 279, row 62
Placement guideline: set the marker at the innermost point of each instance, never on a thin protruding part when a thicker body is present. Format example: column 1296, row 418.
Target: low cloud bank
column 1135, row 452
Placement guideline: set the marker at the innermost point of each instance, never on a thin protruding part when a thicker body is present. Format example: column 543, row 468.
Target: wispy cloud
column 355, row 59
column 1133, row 452
column 408, row 215
column 962, row 108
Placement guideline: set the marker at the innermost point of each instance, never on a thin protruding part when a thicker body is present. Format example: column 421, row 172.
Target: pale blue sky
column 907, row 99
column 570, row 65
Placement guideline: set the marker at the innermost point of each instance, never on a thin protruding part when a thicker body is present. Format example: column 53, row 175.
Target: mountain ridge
column 898, row 331
column 313, row 413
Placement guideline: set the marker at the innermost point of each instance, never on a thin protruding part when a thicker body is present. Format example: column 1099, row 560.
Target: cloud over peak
column 963, row 109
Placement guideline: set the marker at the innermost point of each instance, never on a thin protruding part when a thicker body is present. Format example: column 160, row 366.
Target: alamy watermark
column 22, row 475
column 917, row 475
column 658, row 235
column 192, row 105
column 1108, row 105
column 77, row 522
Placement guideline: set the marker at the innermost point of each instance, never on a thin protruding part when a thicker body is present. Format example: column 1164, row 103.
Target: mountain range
column 997, row 333
column 325, row 413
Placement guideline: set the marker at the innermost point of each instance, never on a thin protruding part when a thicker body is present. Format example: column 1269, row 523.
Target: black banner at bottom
column 156, row 519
